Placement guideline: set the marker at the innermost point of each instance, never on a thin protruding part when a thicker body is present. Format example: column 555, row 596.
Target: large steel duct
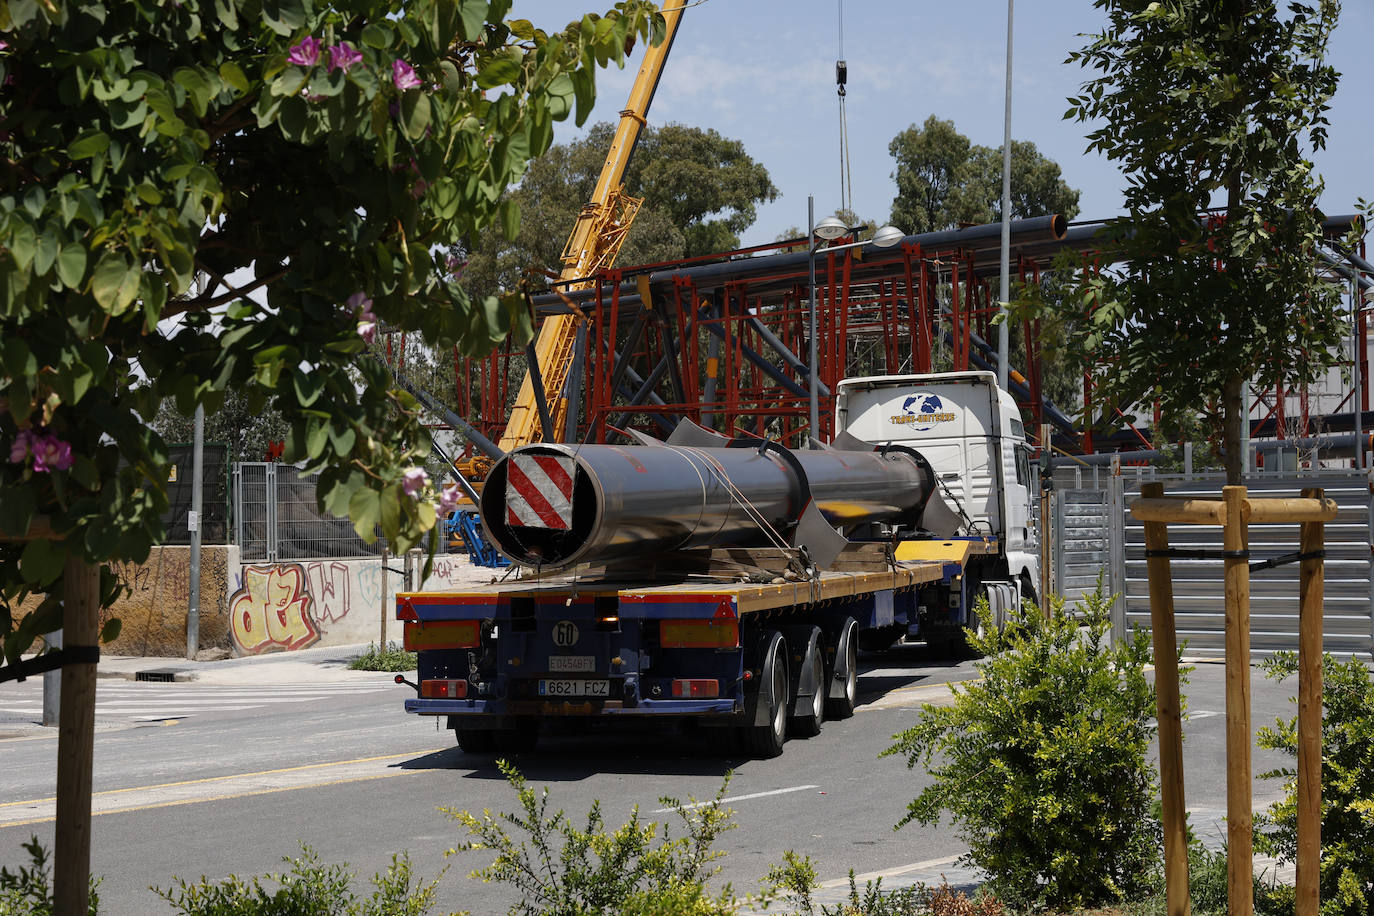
column 555, row 506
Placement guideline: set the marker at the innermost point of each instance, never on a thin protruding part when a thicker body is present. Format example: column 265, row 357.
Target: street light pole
column 1003, row 332
column 814, row 389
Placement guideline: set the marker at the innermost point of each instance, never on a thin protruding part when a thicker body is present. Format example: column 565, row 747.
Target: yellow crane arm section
column 592, row 246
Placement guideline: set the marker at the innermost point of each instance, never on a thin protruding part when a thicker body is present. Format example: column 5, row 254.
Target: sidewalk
column 324, row 664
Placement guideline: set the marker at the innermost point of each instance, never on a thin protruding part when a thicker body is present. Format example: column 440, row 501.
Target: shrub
column 564, row 870
column 28, row 891
column 388, row 658
column 1347, row 818
column 307, row 889
column 1042, row 762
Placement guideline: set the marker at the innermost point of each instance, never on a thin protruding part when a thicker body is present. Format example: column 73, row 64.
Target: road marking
column 212, row 788
column 890, row 872
column 735, row 798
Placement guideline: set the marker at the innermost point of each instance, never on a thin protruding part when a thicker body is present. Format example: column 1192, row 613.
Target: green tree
column 248, row 433
column 281, row 176
column 700, row 191
column 944, row 180
column 1203, row 102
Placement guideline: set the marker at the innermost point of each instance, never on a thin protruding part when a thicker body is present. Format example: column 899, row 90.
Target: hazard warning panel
column 539, row 491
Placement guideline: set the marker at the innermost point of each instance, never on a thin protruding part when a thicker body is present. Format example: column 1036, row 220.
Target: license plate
column 572, row 688
column 564, row 664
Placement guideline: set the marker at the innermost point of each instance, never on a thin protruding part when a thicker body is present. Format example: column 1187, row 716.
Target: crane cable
column 841, row 77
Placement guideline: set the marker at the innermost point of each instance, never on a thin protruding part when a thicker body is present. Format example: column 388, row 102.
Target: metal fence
column 276, row 519
column 1096, row 534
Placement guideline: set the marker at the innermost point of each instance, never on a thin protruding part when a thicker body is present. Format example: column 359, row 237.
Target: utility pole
column 193, row 526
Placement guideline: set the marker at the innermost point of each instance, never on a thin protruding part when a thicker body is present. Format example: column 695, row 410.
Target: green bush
column 563, row 870
column 1042, row 762
column 28, row 891
column 389, row 658
column 307, row 889
column 1347, row 819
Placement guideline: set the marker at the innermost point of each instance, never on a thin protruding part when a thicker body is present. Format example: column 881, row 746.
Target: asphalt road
column 197, row 779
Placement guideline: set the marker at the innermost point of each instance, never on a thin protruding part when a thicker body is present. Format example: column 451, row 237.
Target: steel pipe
column 554, row 506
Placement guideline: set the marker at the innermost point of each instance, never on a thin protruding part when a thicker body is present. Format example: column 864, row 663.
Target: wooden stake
column 76, row 741
column 1240, row 855
column 1308, row 883
column 1169, row 709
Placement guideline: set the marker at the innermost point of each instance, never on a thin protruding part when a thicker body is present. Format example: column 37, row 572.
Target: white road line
column 735, row 798
column 890, row 872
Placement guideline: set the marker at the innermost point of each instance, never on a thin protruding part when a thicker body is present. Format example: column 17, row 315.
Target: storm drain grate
column 161, row 675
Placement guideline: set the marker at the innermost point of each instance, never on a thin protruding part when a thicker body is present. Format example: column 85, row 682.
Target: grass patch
column 388, row 658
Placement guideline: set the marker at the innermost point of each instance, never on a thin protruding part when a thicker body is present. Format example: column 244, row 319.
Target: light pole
column 827, row 229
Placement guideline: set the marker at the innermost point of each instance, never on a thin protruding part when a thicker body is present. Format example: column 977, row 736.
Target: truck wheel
column 841, row 703
column 806, row 723
column 765, row 741
column 475, row 740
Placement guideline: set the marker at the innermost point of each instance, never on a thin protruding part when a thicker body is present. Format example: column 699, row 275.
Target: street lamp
column 827, row 229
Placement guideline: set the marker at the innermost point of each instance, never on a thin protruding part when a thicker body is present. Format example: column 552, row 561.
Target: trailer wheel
column 765, row 741
column 806, row 722
column 844, row 685
column 475, row 740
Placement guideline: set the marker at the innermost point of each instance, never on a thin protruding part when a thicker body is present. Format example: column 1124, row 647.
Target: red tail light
column 444, row 689
column 693, row 688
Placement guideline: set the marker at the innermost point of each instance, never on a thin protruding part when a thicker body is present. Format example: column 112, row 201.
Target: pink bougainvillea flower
column 23, row 444
column 403, row 75
column 367, row 322
column 306, row 53
column 448, row 499
column 342, row 56
column 51, row 454
column 414, row 480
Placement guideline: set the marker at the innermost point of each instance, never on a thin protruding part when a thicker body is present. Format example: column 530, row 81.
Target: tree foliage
column 944, row 180
column 1205, row 102
column 700, row 191
column 280, row 175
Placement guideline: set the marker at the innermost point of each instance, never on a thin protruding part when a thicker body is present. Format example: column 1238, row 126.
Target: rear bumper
column 660, row 708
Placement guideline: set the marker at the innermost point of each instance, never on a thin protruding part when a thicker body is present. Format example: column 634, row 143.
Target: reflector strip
column 539, row 491
column 698, row 634
column 441, row 634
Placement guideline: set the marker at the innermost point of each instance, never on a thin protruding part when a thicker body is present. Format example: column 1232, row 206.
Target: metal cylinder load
column 554, row 506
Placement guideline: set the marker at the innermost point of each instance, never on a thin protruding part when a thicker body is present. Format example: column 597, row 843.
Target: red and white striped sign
column 539, row 491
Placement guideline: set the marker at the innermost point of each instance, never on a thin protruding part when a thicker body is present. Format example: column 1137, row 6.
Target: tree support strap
column 1280, row 560
column 49, row 661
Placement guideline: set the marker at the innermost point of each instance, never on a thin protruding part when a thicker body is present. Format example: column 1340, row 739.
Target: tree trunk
column 1233, row 415
column 76, row 740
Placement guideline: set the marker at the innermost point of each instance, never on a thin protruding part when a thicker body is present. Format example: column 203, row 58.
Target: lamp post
column 827, row 229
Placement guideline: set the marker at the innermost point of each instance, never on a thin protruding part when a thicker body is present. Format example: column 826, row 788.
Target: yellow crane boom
column 596, row 238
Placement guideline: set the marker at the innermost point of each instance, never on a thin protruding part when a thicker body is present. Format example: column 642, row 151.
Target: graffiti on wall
column 272, row 610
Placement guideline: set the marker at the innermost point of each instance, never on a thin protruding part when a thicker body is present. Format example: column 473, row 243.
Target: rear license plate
column 566, row 664
column 574, row 688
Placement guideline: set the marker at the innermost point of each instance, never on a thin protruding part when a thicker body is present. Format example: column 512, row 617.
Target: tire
column 766, row 741
column 842, row 706
column 475, row 740
column 807, row 723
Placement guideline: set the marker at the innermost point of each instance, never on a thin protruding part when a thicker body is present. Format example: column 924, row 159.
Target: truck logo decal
column 922, row 411
column 565, row 633
column 539, row 491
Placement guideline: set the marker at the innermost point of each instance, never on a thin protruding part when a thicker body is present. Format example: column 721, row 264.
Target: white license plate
column 565, row 664
column 571, row 688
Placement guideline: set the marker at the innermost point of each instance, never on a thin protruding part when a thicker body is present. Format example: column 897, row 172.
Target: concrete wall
column 286, row 606
column 153, row 606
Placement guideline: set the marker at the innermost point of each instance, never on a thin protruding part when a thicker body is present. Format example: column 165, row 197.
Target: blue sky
column 763, row 72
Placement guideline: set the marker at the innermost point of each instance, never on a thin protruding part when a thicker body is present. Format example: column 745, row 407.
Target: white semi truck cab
column 972, row 433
